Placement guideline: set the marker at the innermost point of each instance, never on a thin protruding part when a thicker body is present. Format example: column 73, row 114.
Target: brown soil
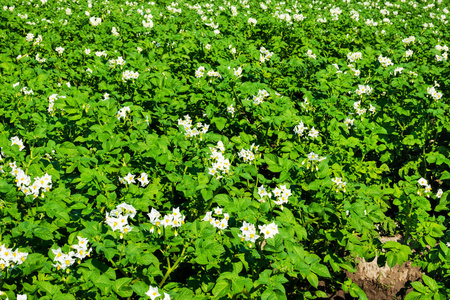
column 382, row 283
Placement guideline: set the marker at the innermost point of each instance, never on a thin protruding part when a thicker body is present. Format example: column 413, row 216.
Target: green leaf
column 43, row 233
column 61, row 296
column 5, row 186
column 221, row 289
column 273, row 294
column 120, row 286
column 220, row 122
column 313, row 279
column 430, row 282
column 320, row 270
column 413, row 295
column 103, row 283
column 140, row 288
column 47, row 287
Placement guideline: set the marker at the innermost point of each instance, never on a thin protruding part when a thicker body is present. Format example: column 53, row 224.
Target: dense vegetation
column 221, row 149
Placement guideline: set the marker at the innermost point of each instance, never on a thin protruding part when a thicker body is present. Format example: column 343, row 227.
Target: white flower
column 95, row 21
column 248, row 231
column 263, row 192
column 60, row 50
column 230, row 109
column 143, row 179
column 313, row 133
column 252, row 21
column 269, row 230
column 30, row 37
column 129, row 178
column 439, row 193
column 423, row 182
column 153, row 292
column 16, row 141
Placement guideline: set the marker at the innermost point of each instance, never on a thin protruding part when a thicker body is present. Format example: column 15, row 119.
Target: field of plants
column 235, row 149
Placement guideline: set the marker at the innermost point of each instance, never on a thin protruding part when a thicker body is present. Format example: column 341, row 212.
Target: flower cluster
column 248, row 155
column 340, row 185
column 38, row 40
column 60, row 50
column 384, row 61
column 40, row 60
column 117, row 219
column 212, row 73
column 153, row 293
column 218, row 223
column 148, row 23
column 117, row 62
column 252, row 21
column 444, row 55
column 95, row 21
column 27, row 91
column 300, row 128
column 199, row 72
column 352, row 57
column 66, row 260
column 231, row 110
column 262, row 94
column 8, row 257
column 281, row 194
column 29, row 37
column 349, row 122
column 363, row 89
column 355, row 71
column 360, row 111
column 298, row 17
column 175, row 219
column 310, row 54
column 248, row 231
column 398, row 70
column 191, row 130
column 23, row 182
column 409, row 53
column 238, row 72
column 433, row 93
column 127, row 75
column 114, row 32
column 15, row 140
column 101, row 53
column 409, row 40
column 129, row 178
column 264, row 55
column 423, row 182
column 122, row 113
column 220, row 163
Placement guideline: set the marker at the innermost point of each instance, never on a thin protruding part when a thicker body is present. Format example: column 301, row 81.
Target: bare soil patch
column 382, row 283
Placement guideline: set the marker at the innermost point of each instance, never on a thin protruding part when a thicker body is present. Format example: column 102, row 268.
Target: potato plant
column 221, row 149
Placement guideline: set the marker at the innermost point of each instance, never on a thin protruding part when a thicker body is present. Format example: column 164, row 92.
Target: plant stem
column 175, row 265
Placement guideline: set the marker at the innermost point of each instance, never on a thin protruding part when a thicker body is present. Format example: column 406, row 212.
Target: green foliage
column 217, row 150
